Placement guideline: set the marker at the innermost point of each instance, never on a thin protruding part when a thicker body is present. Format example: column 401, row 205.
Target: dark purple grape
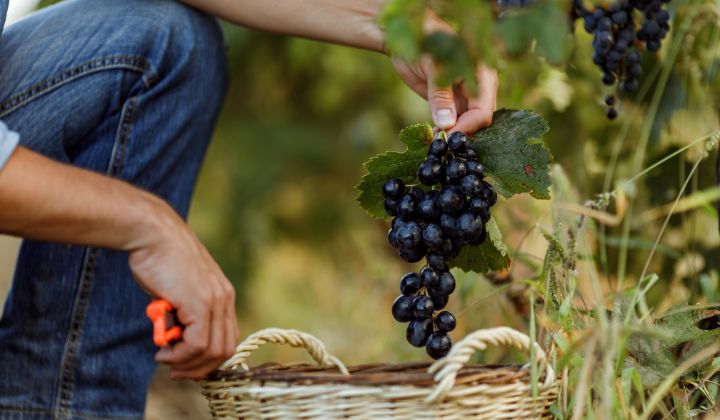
column 445, row 321
column 418, row 331
column 429, row 278
column 445, row 285
column 414, row 254
column 475, row 168
column 456, row 169
column 448, row 223
column 432, row 236
column 471, row 185
column 407, row 206
column 438, row 345
column 402, row 309
column 470, row 226
column 427, row 208
column 457, row 142
column 439, row 301
column 438, row 148
column 391, row 206
column 450, row 200
column 430, row 172
column 437, row 262
column 409, row 234
column 489, row 194
column 393, row 188
column 410, row 283
column 422, row 307
column 392, row 238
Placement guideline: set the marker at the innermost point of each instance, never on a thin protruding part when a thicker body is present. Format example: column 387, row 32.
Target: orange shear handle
column 166, row 329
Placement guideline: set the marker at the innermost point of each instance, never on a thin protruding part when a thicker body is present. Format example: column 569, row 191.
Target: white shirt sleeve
column 8, row 143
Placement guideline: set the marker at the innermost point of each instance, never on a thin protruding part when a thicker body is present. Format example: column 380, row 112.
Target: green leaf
column 512, row 155
column 492, row 255
column 657, row 355
column 546, row 23
column 401, row 21
column 402, row 165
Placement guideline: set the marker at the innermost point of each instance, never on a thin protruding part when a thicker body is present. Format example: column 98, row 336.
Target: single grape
column 413, row 254
column 611, row 113
column 409, row 234
column 470, row 185
column 391, row 206
column 402, row 309
column 470, row 226
column 410, row 283
column 392, row 238
column 439, row 301
column 448, row 224
column 438, row 148
column 418, row 331
column 456, row 169
column 393, row 188
column 445, row 321
column 445, row 285
column 437, row 262
column 429, row 278
column 422, row 307
column 475, row 168
column 438, row 345
column 457, row 142
column 489, row 194
column 427, row 208
column 407, row 206
column 450, row 200
column 430, row 172
column 432, row 236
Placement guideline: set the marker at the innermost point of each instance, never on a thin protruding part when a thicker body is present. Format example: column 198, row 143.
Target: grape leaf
column 492, row 255
column 546, row 23
column 512, row 155
column 402, row 165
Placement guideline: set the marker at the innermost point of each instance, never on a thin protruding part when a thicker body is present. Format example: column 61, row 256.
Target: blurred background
column 275, row 203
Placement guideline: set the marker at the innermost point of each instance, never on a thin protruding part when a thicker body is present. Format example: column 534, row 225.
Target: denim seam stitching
column 68, row 365
column 21, row 410
column 129, row 62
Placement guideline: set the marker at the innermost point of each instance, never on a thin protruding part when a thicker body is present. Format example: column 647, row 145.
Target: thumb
column 441, row 100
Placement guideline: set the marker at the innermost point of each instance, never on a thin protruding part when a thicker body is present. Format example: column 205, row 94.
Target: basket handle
column 293, row 338
column 446, row 369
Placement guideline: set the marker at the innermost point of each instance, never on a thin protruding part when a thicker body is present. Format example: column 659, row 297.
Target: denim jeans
column 131, row 89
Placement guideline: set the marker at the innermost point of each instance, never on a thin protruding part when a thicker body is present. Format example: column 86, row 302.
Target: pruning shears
column 166, row 327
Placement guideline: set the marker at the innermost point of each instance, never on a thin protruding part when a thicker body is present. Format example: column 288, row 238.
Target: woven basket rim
column 374, row 374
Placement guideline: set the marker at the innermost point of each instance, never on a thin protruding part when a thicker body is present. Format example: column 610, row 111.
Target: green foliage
column 546, row 24
column 402, row 165
column 513, row 154
column 676, row 337
column 402, row 23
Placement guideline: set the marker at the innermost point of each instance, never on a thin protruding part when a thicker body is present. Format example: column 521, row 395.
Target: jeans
column 131, row 89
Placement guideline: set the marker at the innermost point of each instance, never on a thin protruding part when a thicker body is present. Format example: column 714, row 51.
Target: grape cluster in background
column 619, row 30
column 434, row 223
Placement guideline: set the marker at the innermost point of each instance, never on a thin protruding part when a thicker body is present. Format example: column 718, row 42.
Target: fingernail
column 444, row 118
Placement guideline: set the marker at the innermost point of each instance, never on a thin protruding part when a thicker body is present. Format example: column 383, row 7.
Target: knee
column 193, row 49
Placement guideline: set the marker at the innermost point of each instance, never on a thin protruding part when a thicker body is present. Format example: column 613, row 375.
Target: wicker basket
column 449, row 388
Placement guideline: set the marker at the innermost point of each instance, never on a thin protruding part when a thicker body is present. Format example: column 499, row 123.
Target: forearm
column 345, row 22
column 46, row 200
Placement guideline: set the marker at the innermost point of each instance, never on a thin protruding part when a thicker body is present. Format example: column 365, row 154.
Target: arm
column 354, row 23
column 345, row 22
column 165, row 256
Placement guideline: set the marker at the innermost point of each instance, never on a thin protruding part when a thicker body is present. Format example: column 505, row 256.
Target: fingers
column 481, row 107
column 207, row 342
column 440, row 98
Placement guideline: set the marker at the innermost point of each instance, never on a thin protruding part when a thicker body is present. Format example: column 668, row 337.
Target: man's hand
column 452, row 107
column 354, row 23
column 166, row 257
column 170, row 262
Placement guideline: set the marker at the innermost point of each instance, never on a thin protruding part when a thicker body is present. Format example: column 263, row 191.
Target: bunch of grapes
column 617, row 35
column 435, row 223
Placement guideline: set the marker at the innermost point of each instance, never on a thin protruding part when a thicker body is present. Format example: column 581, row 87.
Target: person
column 107, row 108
